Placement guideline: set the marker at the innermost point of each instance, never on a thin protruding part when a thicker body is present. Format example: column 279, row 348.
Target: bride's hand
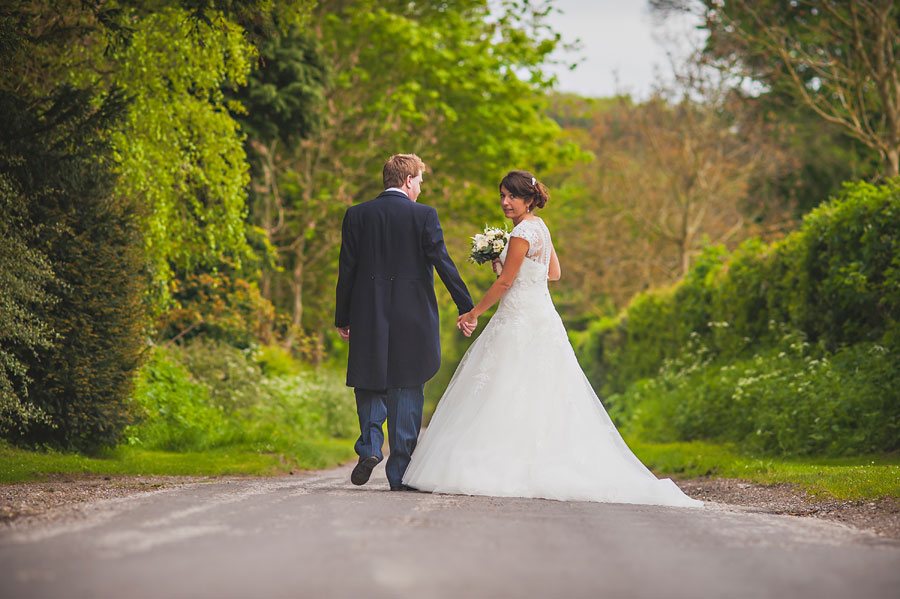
column 467, row 323
column 497, row 266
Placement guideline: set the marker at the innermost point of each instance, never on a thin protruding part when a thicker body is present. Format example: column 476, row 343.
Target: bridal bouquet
column 488, row 245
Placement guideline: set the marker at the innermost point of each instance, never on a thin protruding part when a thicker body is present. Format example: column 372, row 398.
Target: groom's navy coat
column 385, row 291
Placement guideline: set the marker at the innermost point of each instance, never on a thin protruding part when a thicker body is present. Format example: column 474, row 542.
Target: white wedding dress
column 520, row 419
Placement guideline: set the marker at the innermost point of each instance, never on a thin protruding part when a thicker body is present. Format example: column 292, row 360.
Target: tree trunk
column 893, row 160
column 267, row 227
column 297, row 292
column 685, row 258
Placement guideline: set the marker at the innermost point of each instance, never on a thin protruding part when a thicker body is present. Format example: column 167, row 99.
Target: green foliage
column 464, row 90
column 276, row 361
column 835, row 280
column 789, row 348
column 826, row 156
column 259, row 19
column 793, row 399
column 816, row 53
column 850, row 281
column 283, row 96
column 180, row 152
column 59, row 160
column 176, row 411
column 24, row 276
column 211, row 395
column 217, row 305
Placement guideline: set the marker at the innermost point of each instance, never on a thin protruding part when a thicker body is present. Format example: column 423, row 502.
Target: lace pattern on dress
column 528, row 293
column 536, row 233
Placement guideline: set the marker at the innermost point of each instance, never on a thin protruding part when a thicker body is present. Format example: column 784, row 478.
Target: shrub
column 851, row 262
column 56, row 150
column 217, row 305
column 175, row 411
column 789, row 348
column 24, row 275
column 793, row 399
column 208, row 394
column 836, row 280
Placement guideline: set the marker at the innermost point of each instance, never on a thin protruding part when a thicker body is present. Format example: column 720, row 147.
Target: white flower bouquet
column 488, row 245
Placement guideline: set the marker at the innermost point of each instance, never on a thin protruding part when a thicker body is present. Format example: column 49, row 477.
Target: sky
column 623, row 47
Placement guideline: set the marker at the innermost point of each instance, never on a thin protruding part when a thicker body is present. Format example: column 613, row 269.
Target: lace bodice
column 536, row 233
column 537, row 260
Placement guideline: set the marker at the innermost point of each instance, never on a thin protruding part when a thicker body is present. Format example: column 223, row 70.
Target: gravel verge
column 24, row 503
column 881, row 516
column 56, row 496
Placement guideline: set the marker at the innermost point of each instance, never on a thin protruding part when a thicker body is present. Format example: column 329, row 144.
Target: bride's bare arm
column 518, row 247
column 555, row 271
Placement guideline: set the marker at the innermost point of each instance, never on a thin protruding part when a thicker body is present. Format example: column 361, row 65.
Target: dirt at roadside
column 881, row 515
column 21, row 502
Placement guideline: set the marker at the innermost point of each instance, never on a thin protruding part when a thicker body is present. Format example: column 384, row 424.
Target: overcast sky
column 620, row 41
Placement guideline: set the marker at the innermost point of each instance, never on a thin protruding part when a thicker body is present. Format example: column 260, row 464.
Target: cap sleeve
column 525, row 230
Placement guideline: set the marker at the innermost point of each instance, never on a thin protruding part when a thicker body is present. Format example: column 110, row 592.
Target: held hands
column 467, row 323
column 344, row 332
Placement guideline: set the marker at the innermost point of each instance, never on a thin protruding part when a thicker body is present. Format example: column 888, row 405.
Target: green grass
column 865, row 477
column 18, row 465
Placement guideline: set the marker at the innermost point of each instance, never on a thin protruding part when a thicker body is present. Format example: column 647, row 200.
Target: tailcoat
column 390, row 247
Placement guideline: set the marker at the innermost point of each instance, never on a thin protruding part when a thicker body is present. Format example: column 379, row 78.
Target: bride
column 519, row 418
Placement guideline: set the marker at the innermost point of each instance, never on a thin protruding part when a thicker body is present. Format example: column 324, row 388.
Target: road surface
column 316, row 535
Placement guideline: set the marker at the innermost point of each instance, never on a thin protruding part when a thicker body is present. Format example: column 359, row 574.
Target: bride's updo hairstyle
column 522, row 184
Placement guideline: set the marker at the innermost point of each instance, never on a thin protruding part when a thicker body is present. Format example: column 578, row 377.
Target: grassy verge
column 18, row 465
column 211, row 409
column 865, row 477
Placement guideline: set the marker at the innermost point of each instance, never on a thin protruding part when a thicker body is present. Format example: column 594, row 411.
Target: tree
column 179, row 151
column 282, row 103
column 56, row 153
column 88, row 189
column 841, row 59
column 692, row 181
column 669, row 176
column 463, row 90
column 24, row 276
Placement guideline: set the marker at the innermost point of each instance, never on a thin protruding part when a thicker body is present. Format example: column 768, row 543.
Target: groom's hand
column 344, row 332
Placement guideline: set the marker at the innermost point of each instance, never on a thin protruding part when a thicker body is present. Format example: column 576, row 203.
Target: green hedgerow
column 836, row 279
column 787, row 348
column 211, row 394
column 56, row 158
column 792, row 399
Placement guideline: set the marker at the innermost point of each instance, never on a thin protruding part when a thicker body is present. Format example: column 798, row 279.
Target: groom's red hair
column 398, row 167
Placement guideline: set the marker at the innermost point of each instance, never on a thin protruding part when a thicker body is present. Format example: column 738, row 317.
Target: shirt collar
column 397, row 189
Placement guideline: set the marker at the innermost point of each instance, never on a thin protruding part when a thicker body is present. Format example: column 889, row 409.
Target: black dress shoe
column 402, row 487
column 363, row 470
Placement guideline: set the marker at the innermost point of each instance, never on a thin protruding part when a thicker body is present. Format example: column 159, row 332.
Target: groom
column 387, row 310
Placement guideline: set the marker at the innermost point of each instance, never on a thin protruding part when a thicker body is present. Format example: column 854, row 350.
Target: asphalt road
column 316, row 535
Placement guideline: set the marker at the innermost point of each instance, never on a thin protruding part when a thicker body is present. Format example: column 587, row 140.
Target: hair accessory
column 533, row 181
